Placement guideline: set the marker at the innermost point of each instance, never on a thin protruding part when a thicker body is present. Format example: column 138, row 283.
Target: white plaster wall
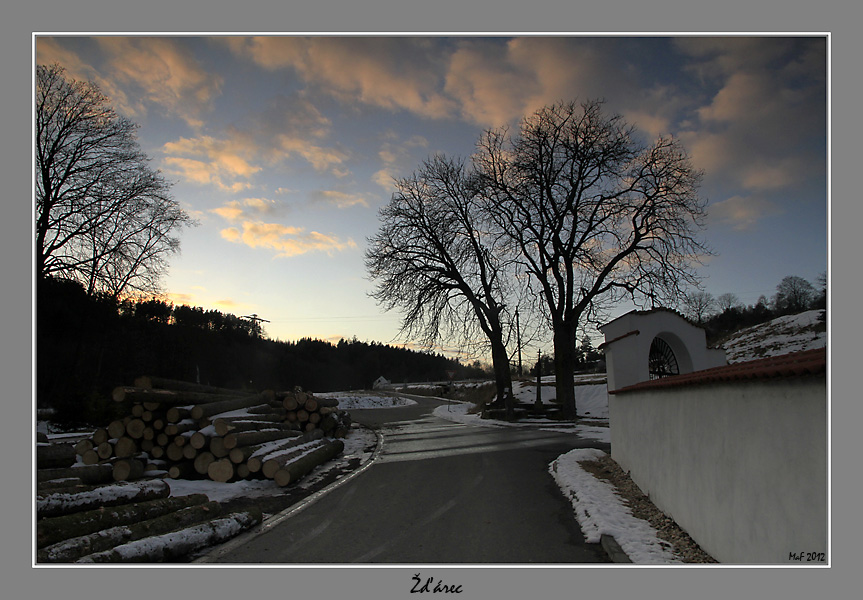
column 741, row 467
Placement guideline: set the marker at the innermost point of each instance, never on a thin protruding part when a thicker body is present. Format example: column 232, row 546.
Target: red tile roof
column 796, row 364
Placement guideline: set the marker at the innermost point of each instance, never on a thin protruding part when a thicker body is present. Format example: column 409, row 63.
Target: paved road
column 439, row 492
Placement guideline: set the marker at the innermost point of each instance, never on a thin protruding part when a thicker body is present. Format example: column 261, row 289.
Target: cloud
column 742, row 213
column 237, row 210
column 339, row 199
column 160, row 71
column 389, row 72
column 285, row 240
column 205, row 160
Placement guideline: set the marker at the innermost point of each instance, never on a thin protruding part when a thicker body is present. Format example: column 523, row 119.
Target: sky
column 284, row 147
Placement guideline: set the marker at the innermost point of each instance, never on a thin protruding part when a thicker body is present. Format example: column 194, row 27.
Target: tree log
column 277, row 460
column 175, row 414
column 302, row 466
column 181, row 542
column 128, row 469
column 178, row 427
column 74, row 548
column 248, row 438
column 90, row 475
column 261, row 452
column 169, row 398
column 55, row 529
column 84, row 446
column 135, row 429
column 217, row 447
column 99, row 436
column 177, row 385
column 58, row 503
column 52, row 456
column 125, row 447
column 202, row 461
column 223, row 426
column 221, row 470
column 183, row 470
column 213, row 408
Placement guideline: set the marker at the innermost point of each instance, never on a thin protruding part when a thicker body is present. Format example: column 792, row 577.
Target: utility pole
column 518, row 337
column 255, row 319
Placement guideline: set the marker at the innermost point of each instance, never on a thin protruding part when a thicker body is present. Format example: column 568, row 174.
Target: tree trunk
column 248, row 438
column 75, row 548
column 55, row 529
column 300, row 467
column 226, row 426
column 202, row 461
column 59, row 503
column 213, row 408
column 221, row 470
column 180, row 542
column 90, row 475
column 128, row 469
column 564, row 370
column 279, row 459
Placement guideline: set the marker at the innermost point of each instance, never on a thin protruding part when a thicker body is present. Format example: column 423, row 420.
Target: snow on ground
column 600, row 511
column 791, row 333
column 358, row 400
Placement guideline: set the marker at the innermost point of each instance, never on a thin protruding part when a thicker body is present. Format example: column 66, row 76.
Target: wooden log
column 100, row 435
column 327, row 402
column 290, row 403
column 58, row 503
column 178, row 385
column 299, row 468
column 116, row 429
column 157, row 452
column 262, row 452
column 162, row 439
column 125, row 447
column 84, row 446
column 183, row 470
column 224, row 426
column 135, row 429
column 52, row 456
column 310, row 426
column 174, row 452
column 175, row 414
column 242, row 471
column 246, row 426
column 190, row 452
column 58, row 484
column 202, row 461
column 178, row 427
column 311, row 405
column 168, row 398
column 217, row 447
column 314, row 418
column 128, row 469
column 302, row 415
column 267, row 409
column 75, row 548
column 152, row 406
column 105, row 450
column 147, row 445
column 137, row 410
column 248, row 438
column 221, row 470
column 214, row 408
column 181, row 542
column 90, row 457
column 55, row 529
column 278, row 460
column 90, row 475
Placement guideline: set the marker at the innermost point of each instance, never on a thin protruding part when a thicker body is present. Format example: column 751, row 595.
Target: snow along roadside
column 600, row 511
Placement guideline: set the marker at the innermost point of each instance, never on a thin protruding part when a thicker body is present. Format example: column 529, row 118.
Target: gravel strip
column 685, row 547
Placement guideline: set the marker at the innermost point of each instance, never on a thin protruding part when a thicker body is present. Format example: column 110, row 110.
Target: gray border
column 20, row 580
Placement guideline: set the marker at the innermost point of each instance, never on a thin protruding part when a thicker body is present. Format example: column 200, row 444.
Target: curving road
column 438, row 492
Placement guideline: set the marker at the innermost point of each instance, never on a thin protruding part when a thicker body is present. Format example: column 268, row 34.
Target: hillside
column 791, row 333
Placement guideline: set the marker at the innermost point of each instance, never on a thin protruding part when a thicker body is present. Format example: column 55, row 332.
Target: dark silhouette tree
column 103, row 216
column 436, row 259
column 793, row 295
column 698, row 305
column 595, row 216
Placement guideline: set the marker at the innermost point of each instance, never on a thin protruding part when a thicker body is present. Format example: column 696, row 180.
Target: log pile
column 105, row 498
column 129, row 521
column 192, row 431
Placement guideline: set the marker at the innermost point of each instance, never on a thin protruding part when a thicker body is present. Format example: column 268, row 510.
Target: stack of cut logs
column 196, row 431
column 89, row 518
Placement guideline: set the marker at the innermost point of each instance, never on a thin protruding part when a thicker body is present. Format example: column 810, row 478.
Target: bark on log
column 100, row 435
column 125, row 447
column 302, row 466
column 183, row 470
column 83, row 446
column 181, row 542
column 90, row 475
column 90, row 457
column 224, row 426
column 214, row 408
column 174, row 452
column 260, row 452
column 175, row 414
column 75, row 548
column 248, row 438
column 217, row 447
column 177, row 385
column 116, row 429
column 266, row 409
column 178, row 427
column 105, row 450
column 56, row 529
column 135, row 429
column 190, row 452
column 278, row 460
column 58, row 503
column 52, row 456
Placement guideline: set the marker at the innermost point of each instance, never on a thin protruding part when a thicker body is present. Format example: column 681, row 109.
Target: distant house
column 735, row 454
column 380, row 383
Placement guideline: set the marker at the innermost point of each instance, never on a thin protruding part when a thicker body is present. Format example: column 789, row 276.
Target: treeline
column 88, row 344
column 793, row 295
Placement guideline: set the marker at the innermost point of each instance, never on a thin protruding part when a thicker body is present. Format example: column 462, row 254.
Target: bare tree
column 793, row 294
column 103, row 217
column 727, row 301
column 698, row 305
column 595, row 216
column 435, row 258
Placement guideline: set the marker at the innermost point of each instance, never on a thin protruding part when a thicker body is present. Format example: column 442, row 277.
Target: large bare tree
column 596, row 216
column 435, row 259
column 103, row 216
